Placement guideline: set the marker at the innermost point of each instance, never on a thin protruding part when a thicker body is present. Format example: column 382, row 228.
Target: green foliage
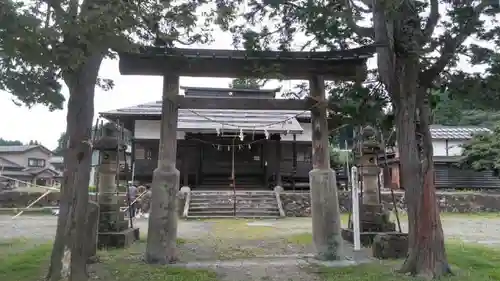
column 9, row 142
column 61, row 144
column 483, row 152
column 43, row 43
column 246, row 83
column 333, row 25
column 459, row 112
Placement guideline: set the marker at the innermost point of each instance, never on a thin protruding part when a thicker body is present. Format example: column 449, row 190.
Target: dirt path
column 467, row 228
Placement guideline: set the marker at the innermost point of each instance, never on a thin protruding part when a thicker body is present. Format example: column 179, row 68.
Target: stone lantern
column 113, row 230
column 373, row 218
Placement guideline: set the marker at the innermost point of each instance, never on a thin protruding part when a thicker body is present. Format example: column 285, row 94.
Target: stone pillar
column 373, row 218
column 162, row 231
column 114, row 231
column 324, row 198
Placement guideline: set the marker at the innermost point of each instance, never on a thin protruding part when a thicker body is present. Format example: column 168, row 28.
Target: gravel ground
column 466, row 228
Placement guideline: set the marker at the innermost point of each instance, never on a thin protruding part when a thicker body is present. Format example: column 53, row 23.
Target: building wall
column 447, row 147
column 22, row 158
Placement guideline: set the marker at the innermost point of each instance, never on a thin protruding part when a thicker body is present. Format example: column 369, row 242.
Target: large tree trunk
column 428, row 256
column 398, row 64
column 68, row 259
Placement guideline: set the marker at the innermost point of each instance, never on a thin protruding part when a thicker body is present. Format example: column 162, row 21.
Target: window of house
column 35, row 162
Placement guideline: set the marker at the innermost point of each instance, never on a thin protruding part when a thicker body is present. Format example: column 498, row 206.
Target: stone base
column 122, row 239
column 390, row 245
column 373, row 218
column 365, row 237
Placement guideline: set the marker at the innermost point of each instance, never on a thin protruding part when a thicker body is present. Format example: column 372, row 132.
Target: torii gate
column 316, row 67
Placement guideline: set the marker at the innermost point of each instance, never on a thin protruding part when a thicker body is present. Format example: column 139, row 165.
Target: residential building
column 447, row 142
column 27, row 164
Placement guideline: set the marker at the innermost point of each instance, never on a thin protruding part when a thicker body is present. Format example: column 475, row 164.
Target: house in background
column 447, row 144
column 22, row 164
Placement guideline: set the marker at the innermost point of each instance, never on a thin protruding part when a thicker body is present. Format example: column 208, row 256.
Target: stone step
column 231, row 208
column 232, row 200
column 232, row 196
column 238, row 211
column 196, row 193
column 195, row 217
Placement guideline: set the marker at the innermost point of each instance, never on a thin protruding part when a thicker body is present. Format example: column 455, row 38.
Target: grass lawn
column 31, row 265
column 469, row 262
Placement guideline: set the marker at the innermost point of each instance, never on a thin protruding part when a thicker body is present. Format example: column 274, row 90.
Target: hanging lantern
column 266, row 133
column 217, row 130
column 228, row 148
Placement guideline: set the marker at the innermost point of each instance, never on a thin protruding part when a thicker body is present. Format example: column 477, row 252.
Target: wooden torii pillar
column 326, row 224
column 165, row 180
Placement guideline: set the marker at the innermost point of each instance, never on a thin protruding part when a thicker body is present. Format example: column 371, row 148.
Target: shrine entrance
column 232, row 164
column 316, row 67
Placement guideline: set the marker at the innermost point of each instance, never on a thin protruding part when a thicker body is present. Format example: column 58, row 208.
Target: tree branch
column 431, row 23
column 56, row 6
column 450, row 46
column 359, row 30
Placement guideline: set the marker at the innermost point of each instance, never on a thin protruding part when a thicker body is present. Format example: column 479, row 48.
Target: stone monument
column 113, row 230
column 374, row 218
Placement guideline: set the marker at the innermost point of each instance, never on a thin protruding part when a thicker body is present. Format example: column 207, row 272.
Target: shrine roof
column 208, row 120
column 343, row 64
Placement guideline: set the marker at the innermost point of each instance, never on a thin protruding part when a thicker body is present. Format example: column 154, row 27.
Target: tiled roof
column 455, row 132
column 15, row 148
column 21, row 148
column 6, row 163
column 226, row 119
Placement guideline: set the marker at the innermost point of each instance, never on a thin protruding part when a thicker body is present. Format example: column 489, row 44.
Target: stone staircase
column 227, row 204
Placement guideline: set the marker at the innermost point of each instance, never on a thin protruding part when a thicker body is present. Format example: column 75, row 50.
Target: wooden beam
column 243, row 103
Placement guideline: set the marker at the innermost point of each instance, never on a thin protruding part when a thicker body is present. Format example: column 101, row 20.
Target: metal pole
column 233, row 178
column 33, row 203
column 355, row 210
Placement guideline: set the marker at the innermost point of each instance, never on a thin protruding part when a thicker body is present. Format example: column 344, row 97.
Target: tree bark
column 428, row 255
column 398, row 62
column 69, row 260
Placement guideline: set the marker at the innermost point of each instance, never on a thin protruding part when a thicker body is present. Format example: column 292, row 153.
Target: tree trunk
column 68, row 260
column 428, row 255
column 398, row 63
